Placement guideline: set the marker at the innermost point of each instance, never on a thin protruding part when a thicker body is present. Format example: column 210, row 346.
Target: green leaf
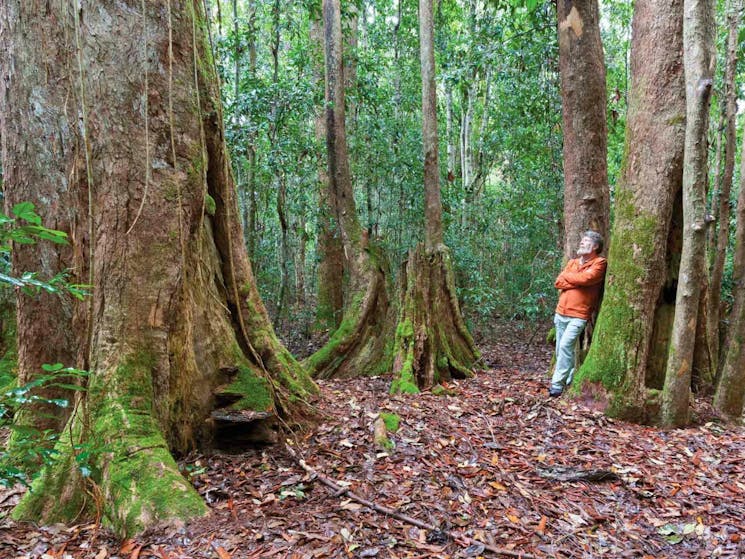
column 25, row 210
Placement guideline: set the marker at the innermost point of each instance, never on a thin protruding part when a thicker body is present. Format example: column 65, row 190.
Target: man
column 580, row 284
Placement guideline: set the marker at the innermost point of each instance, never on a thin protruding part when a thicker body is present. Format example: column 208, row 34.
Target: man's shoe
column 553, row 393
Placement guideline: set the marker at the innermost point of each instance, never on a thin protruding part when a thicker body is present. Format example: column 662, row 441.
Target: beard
column 583, row 251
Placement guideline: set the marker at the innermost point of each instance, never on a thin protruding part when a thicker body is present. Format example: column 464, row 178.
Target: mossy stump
column 432, row 343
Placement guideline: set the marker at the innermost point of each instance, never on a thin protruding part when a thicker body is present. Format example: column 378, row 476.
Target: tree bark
column 177, row 325
column 251, row 210
column 699, row 54
column 330, row 286
column 432, row 204
column 36, row 167
column 582, row 71
column 356, row 348
column 730, row 392
column 730, row 145
column 432, row 343
column 640, row 284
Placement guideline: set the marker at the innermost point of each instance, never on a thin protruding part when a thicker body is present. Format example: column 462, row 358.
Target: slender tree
column 177, row 332
column 330, row 287
column 734, row 7
column 628, row 355
column 699, row 54
column 432, row 342
column 729, row 397
column 582, row 70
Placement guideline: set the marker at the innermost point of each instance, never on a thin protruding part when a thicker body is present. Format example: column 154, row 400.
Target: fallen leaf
column 542, row 525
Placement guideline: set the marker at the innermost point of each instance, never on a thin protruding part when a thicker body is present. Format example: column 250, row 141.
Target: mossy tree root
column 113, row 462
column 358, row 347
column 432, row 343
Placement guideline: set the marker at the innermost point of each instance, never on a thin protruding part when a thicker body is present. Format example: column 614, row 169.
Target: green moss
column 254, row 390
column 405, row 329
column 292, row 374
column 443, row 362
column 405, row 381
column 676, row 120
column 62, row 479
column 618, row 331
column 209, row 204
column 385, row 364
column 170, row 192
column 551, row 336
column 391, row 420
column 385, row 443
column 440, row 390
column 123, row 459
column 330, row 351
column 197, row 166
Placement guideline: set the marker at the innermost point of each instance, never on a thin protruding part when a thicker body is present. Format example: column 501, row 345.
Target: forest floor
column 482, row 464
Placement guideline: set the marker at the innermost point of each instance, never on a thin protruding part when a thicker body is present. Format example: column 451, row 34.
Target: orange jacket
column 580, row 286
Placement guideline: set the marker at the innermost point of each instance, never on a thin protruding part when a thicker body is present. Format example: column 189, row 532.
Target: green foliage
column 32, row 447
column 499, row 112
column 26, row 228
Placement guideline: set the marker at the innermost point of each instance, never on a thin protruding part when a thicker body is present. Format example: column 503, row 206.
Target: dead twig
column 339, row 490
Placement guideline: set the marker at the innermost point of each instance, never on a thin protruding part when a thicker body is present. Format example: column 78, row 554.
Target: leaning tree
column 628, row 357
column 111, row 123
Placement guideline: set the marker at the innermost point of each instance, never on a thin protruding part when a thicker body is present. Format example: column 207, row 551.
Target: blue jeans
column 568, row 330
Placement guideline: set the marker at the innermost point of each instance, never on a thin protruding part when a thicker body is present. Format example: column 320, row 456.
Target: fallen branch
column 340, row 490
column 567, row 473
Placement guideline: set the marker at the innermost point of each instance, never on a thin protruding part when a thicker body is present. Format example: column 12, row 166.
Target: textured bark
column 330, row 287
column 177, row 325
column 300, row 263
column 699, row 54
column 356, row 347
column 336, row 144
column 433, row 233
column 730, row 145
column 640, row 281
column 432, row 343
column 729, row 397
column 36, row 148
column 251, row 203
column 582, row 71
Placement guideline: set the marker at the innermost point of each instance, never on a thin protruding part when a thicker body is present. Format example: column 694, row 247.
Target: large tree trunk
column 582, row 70
column 432, row 343
column 730, row 393
column 330, row 287
column 640, row 284
column 699, row 55
column 356, row 348
column 730, row 145
column 177, row 325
